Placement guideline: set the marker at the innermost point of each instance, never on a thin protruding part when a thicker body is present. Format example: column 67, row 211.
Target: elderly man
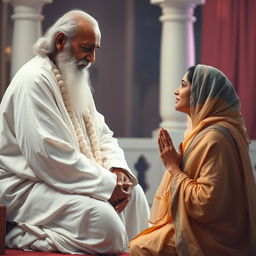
column 63, row 177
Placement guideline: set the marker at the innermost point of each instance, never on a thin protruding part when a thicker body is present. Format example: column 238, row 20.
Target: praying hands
column 170, row 158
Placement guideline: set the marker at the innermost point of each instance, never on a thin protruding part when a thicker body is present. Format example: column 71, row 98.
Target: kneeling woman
column 205, row 204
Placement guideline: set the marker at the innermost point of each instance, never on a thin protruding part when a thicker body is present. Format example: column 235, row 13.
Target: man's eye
column 85, row 49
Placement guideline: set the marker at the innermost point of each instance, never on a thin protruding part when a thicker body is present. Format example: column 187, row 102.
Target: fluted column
column 27, row 19
column 177, row 54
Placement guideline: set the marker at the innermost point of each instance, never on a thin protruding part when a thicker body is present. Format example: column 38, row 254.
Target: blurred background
column 125, row 75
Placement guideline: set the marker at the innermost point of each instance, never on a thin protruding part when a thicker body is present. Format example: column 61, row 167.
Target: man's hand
column 121, row 194
column 122, row 179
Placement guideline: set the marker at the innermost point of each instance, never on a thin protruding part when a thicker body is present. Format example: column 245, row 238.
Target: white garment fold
column 58, row 197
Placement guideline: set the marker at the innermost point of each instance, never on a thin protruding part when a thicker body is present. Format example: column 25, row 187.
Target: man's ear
column 60, row 41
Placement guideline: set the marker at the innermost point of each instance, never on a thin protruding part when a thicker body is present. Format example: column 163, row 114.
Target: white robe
column 57, row 196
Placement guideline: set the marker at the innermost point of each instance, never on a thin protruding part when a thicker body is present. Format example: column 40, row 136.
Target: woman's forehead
column 185, row 77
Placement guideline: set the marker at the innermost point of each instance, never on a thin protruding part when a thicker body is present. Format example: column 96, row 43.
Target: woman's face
column 182, row 94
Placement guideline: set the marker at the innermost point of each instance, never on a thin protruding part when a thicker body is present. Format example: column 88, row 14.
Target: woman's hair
column 67, row 24
column 191, row 71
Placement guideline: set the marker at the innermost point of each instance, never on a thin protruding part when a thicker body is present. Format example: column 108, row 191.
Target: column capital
column 177, row 10
column 28, row 2
column 177, row 2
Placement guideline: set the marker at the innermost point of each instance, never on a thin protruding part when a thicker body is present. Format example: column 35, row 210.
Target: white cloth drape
column 58, row 197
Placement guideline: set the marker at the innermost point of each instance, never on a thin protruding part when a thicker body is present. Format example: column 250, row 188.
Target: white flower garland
column 95, row 153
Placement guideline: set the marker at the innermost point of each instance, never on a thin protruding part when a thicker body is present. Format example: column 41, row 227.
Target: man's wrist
column 113, row 169
column 122, row 170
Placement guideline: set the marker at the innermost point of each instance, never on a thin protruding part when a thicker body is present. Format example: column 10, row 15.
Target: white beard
column 76, row 80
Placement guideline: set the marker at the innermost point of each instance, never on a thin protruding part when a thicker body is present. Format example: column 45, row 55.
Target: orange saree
column 209, row 207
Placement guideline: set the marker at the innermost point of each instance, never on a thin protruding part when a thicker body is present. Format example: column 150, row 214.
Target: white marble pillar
column 177, row 54
column 26, row 29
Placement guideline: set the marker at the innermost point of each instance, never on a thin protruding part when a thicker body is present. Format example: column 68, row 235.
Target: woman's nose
column 176, row 92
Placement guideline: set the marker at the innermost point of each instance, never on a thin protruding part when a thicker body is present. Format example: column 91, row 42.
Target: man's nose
column 91, row 57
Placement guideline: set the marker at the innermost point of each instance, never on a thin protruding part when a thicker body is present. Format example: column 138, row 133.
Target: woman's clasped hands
column 170, row 158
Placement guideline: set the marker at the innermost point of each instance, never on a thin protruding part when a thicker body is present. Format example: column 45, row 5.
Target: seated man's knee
column 112, row 228
column 102, row 224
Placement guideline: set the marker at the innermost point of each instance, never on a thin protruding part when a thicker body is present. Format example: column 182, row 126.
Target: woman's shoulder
column 220, row 138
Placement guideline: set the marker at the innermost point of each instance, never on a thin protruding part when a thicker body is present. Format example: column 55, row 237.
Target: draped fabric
column 210, row 206
column 228, row 43
column 216, row 101
column 56, row 196
column 31, row 253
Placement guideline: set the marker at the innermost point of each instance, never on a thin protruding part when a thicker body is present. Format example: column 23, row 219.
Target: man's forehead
column 89, row 38
column 88, row 30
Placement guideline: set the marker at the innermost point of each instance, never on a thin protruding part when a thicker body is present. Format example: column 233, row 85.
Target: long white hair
column 67, row 24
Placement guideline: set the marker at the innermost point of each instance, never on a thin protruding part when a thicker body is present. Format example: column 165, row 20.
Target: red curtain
column 228, row 43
